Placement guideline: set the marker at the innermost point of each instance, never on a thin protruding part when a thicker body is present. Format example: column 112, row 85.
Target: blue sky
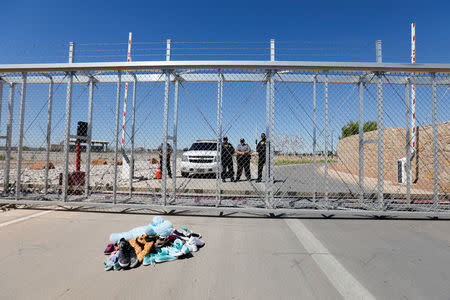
column 94, row 21
column 58, row 22
column 38, row 31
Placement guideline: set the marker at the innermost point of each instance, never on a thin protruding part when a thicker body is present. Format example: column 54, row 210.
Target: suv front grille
column 201, row 159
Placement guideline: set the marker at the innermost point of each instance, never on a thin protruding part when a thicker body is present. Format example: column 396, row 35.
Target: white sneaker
column 192, row 247
column 195, row 240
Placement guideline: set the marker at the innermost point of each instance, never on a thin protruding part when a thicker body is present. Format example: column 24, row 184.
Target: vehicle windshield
column 203, row 147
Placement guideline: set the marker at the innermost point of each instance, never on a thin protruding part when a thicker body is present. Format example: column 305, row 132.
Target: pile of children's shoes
column 154, row 243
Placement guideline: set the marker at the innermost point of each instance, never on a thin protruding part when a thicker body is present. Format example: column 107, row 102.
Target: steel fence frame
column 269, row 72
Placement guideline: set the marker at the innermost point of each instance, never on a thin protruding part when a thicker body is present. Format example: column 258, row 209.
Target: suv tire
column 184, row 174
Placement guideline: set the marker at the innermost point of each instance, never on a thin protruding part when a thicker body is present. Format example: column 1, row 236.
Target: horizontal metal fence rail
column 233, row 65
column 371, row 169
column 230, row 77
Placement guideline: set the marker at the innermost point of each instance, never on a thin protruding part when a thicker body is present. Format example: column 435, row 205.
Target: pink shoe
column 109, row 249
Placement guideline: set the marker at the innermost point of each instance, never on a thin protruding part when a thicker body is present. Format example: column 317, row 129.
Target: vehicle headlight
column 184, row 158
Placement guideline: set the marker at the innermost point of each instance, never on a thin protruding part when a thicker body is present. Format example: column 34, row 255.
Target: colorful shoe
column 178, row 248
column 164, row 258
column 109, row 249
column 168, row 250
column 111, row 261
column 117, row 267
column 183, row 251
column 149, row 259
column 189, row 233
column 177, row 244
column 108, row 267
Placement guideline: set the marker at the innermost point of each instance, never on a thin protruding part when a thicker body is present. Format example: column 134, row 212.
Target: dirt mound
column 99, row 161
column 40, row 165
column 119, row 162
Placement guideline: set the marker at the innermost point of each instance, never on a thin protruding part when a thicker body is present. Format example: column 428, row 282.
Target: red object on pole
column 75, row 180
column 78, row 157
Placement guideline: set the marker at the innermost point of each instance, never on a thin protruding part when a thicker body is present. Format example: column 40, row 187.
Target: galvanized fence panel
column 336, row 141
column 244, row 115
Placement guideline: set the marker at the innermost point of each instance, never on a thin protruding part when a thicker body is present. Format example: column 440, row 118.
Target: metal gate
column 338, row 136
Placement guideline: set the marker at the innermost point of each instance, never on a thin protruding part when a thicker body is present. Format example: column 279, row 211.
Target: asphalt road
column 59, row 255
column 304, row 178
column 289, row 178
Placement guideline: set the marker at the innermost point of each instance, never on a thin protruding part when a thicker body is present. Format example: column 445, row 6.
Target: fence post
column 378, row 50
column 272, row 50
column 380, row 141
column 175, row 139
column 219, row 137
column 408, row 144
column 1, row 101
column 314, row 132
column 166, row 125
column 89, row 136
column 49, row 131
column 21, row 126
column 269, row 131
column 67, row 135
column 361, row 141
column 435, row 143
column 326, row 138
column 1, row 104
column 12, row 88
column 116, row 134
column 168, row 49
column 133, row 118
column 269, row 148
column 272, row 146
column 271, row 164
column 71, row 52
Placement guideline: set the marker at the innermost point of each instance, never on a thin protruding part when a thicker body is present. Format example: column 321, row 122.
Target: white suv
column 201, row 158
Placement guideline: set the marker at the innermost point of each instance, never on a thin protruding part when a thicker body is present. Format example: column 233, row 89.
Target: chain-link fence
column 239, row 136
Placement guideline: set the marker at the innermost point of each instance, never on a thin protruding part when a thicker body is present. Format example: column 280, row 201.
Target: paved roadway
column 304, row 178
column 295, row 178
column 59, row 255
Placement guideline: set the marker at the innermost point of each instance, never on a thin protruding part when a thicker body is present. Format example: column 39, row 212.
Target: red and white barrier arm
column 126, row 95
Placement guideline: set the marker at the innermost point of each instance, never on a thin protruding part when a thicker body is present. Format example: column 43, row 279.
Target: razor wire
column 152, row 50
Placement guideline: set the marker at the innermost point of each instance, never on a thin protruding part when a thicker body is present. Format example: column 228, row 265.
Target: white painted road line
column 340, row 278
column 25, row 218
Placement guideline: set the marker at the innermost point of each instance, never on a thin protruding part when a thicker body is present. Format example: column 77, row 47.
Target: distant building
column 96, row 146
column 55, row 147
